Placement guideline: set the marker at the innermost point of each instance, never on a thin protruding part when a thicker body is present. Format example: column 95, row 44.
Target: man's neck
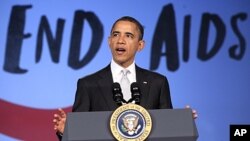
column 124, row 65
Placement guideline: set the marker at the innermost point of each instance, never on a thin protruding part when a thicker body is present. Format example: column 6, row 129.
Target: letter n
column 54, row 43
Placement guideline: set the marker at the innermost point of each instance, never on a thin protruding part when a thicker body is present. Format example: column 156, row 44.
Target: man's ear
column 141, row 45
column 109, row 42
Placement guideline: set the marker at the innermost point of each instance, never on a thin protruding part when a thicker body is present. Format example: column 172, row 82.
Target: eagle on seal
column 130, row 123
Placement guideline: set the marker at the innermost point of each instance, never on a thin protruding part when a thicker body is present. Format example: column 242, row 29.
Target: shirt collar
column 116, row 68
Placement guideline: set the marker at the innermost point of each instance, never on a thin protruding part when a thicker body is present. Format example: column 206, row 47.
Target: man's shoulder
column 149, row 73
column 96, row 75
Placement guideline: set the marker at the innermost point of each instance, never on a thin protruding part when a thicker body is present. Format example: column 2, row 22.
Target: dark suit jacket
column 94, row 92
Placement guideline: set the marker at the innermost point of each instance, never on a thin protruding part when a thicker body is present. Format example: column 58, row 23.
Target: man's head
column 133, row 20
column 126, row 38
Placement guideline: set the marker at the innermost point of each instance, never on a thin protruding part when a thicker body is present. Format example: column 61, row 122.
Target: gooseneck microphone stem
column 130, row 100
column 118, row 96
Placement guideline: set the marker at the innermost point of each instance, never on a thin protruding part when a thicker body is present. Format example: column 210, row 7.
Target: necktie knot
column 125, row 72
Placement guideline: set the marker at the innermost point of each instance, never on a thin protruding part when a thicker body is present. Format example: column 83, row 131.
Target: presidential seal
column 130, row 122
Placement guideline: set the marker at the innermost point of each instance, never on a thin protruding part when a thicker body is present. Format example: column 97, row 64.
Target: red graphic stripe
column 27, row 123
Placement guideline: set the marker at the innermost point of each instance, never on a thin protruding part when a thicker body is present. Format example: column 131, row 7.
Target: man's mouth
column 120, row 50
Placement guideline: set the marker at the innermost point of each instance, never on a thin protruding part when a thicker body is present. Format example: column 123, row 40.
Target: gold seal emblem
column 130, row 122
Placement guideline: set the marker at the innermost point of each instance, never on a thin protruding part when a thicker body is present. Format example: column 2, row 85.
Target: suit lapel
column 143, row 83
column 105, row 84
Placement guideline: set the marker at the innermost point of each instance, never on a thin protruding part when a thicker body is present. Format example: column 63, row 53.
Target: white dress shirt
column 117, row 75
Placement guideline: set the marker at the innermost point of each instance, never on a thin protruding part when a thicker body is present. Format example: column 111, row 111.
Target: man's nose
column 121, row 40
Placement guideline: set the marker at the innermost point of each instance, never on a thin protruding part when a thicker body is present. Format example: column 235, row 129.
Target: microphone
column 117, row 94
column 135, row 93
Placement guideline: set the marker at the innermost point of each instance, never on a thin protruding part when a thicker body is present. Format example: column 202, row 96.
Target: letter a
column 237, row 132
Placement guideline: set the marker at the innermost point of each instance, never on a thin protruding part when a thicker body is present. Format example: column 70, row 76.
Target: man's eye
column 129, row 36
column 115, row 35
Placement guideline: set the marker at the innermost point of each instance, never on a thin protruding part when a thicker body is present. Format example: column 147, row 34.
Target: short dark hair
column 133, row 20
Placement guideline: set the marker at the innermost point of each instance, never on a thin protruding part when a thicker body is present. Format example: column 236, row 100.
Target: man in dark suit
column 94, row 92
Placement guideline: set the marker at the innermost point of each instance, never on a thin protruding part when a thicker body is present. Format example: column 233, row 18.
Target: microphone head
column 116, row 87
column 117, row 93
column 135, row 88
column 135, row 92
